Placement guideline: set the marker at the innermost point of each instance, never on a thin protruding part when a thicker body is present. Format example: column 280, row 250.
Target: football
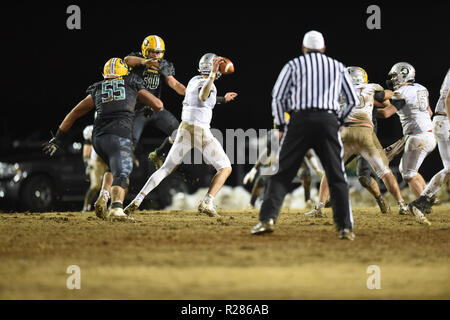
column 226, row 66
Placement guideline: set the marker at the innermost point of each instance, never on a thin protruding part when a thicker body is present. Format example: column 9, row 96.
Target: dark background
column 48, row 67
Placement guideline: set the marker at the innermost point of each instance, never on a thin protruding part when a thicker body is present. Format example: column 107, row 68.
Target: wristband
column 60, row 135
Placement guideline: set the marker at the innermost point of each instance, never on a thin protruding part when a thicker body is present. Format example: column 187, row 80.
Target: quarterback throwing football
column 194, row 132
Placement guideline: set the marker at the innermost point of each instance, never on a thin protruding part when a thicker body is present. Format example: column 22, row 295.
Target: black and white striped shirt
column 312, row 81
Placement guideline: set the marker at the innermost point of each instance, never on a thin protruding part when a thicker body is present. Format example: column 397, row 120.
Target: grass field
column 186, row 255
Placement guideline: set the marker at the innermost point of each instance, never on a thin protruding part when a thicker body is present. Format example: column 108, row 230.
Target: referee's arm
column 349, row 92
column 281, row 96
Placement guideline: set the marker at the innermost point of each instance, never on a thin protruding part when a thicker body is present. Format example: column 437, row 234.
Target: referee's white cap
column 313, row 40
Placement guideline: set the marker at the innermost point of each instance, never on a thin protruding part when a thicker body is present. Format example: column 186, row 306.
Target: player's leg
column 331, row 154
column 373, row 152
column 96, row 171
column 296, row 141
column 176, row 154
column 121, row 165
column 416, row 149
column 305, row 176
column 166, row 122
column 258, row 188
column 425, row 201
column 215, row 155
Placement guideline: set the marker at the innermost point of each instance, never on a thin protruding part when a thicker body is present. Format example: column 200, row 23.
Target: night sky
column 49, row 66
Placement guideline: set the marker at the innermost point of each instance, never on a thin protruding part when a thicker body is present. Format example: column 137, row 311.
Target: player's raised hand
column 229, row 96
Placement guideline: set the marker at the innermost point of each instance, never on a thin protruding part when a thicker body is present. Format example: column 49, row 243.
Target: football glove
column 250, row 176
column 166, row 68
column 55, row 143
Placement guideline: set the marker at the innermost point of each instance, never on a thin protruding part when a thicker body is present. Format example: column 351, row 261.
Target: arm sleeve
column 379, row 95
column 166, row 68
column 349, row 93
column 220, row 100
column 281, row 95
column 136, row 82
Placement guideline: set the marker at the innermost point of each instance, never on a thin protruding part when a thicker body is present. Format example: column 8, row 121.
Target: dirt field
column 185, row 255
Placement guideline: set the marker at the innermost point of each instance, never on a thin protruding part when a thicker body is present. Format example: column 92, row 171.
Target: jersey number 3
column 113, row 90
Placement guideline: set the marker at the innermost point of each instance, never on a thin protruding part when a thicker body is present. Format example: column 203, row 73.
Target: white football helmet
column 358, row 75
column 206, row 63
column 401, row 73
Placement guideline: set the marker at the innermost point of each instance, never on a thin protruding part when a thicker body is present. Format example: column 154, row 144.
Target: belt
column 441, row 114
column 315, row 110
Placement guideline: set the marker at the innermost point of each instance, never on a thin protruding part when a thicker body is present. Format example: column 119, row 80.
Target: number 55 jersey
column 115, row 101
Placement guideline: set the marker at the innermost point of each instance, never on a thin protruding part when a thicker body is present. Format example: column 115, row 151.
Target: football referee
column 309, row 88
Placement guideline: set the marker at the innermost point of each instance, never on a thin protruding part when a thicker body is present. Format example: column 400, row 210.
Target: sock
column 139, row 198
column 116, row 204
column 208, row 198
column 106, row 193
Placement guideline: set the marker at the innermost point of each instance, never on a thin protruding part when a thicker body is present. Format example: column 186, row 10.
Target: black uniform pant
column 116, row 152
column 164, row 120
column 318, row 130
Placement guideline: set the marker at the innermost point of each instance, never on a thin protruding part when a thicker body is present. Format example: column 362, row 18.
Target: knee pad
column 121, row 180
column 408, row 175
column 365, row 181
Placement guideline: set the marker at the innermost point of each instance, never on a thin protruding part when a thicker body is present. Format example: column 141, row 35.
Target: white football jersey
column 363, row 112
column 196, row 111
column 414, row 115
column 440, row 106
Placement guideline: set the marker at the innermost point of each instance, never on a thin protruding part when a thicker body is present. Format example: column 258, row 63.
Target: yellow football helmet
column 153, row 43
column 115, row 67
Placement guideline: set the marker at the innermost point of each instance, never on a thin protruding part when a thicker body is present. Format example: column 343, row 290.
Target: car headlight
column 8, row 170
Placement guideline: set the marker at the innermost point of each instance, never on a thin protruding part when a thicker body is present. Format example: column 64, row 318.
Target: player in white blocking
column 442, row 133
column 410, row 102
column 194, row 132
column 358, row 137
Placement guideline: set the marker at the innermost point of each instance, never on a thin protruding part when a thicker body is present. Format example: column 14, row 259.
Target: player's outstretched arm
column 150, row 100
column 83, row 107
column 176, row 85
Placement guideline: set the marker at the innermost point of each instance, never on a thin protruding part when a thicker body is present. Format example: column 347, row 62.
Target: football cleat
column 402, row 208
column 132, row 207
column 100, row 206
column 114, row 68
column 263, row 227
column 346, row 234
column 117, row 214
column 420, row 217
column 317, row 211
column 157, row 161
column 208, row 208
column 384, row 208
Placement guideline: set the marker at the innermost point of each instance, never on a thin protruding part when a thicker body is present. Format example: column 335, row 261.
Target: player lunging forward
column 114, row 101
column 410, row 102
column 194, row 131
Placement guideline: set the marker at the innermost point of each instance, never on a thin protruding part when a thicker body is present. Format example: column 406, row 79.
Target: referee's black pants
column 318, row 130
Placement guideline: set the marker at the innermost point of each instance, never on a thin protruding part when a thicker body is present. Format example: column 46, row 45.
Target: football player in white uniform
column 441, row 129
column 194, row 131
column 410, row 102
column 358, row 137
